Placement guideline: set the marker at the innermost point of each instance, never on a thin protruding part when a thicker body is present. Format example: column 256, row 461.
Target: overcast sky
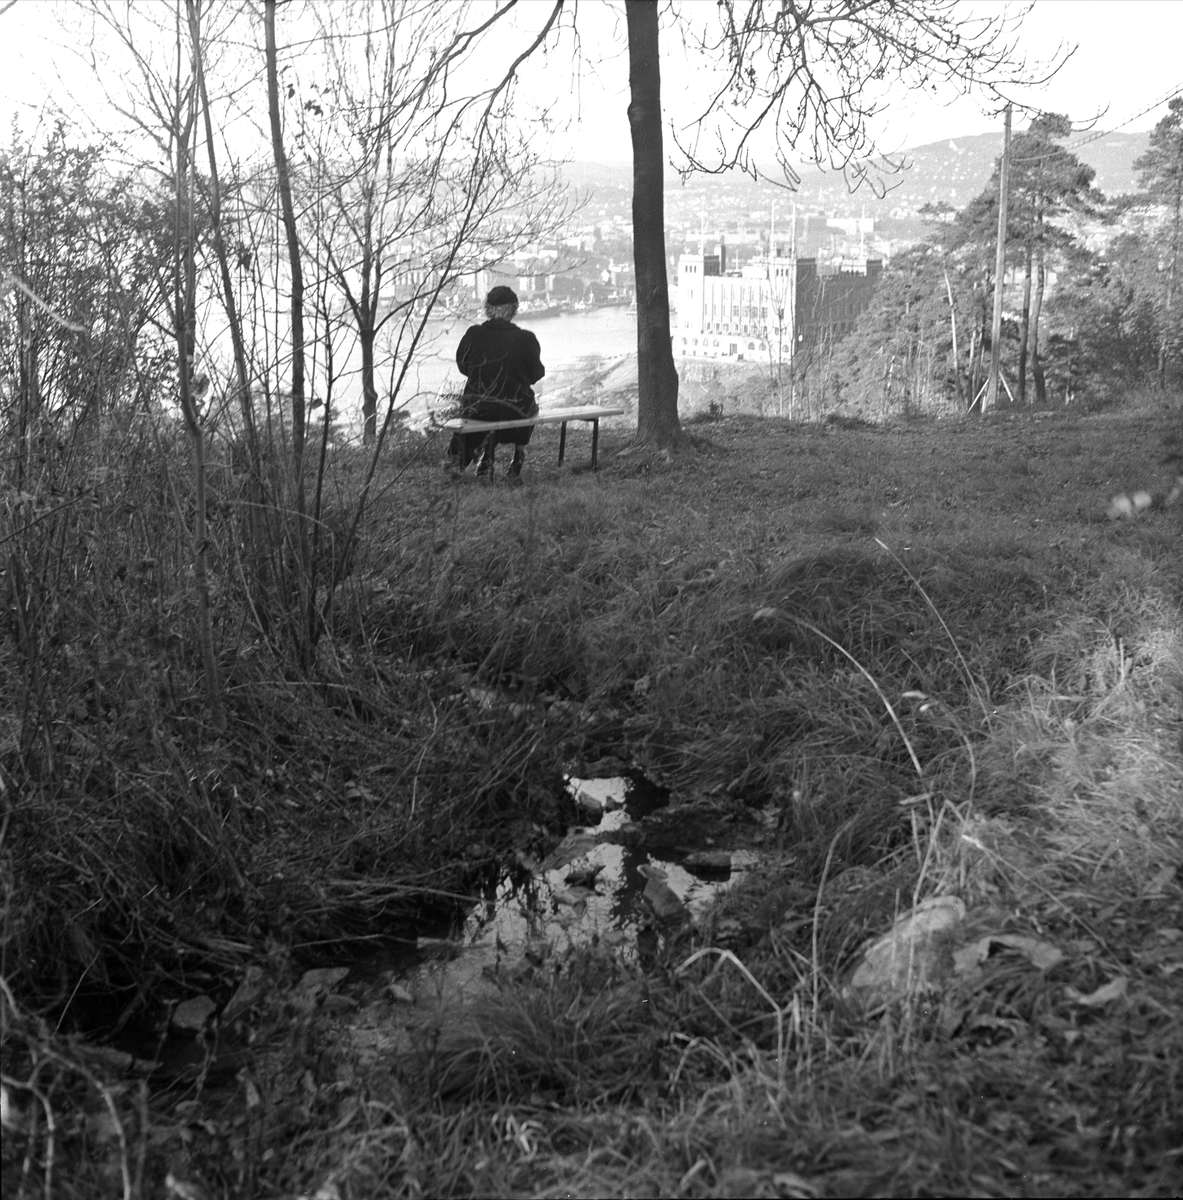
column 1129, row 58
column 1128, row 61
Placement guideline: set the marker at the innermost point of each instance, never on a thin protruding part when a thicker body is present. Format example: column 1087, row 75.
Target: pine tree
column 1160, row 172
column 1047, row 182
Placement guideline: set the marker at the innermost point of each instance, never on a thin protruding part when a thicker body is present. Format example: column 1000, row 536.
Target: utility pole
column 991, row 400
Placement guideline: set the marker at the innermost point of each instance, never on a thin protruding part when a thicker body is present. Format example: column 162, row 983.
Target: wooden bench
column 550, row 416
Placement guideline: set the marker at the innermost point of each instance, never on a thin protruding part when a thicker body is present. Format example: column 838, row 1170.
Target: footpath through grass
column 918, row 658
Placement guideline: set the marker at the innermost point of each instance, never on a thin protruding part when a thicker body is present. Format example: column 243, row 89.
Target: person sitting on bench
column 500, row 361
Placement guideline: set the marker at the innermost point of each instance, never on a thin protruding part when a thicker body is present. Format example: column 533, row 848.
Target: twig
column 12, row 280
column 109, row 1101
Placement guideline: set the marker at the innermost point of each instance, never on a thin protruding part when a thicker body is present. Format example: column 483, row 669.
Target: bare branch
column 811, row 70
column 10, row 281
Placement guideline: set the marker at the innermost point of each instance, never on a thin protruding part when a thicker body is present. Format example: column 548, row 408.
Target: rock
column 112, row 1059
column 573, row 846
column 715, row 862
column 13, row 1117
column 191, row 1016
column 590, row 804
column 399, row 994
column 662, row 901
column 914, row 955
column 314, row 984
column 246, row 995
column 584, row 876
column 321, row 979
column 569, row 897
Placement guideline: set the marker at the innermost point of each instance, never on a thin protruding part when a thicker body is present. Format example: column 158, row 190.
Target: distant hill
column 954, row 171
column 958, row 169
column 1113, row 158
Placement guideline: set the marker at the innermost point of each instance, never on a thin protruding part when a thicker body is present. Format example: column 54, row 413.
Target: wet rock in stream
column 710, row 864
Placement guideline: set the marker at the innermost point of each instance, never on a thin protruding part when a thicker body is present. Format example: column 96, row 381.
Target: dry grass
column 961, row 680
column 1051, row 783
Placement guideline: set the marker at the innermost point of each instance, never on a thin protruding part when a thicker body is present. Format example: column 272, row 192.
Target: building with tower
column 773, row 308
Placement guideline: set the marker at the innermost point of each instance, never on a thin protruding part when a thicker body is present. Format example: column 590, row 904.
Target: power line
column 1097, row 135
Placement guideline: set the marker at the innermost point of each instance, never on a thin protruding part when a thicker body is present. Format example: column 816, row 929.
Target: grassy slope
column 967, row 562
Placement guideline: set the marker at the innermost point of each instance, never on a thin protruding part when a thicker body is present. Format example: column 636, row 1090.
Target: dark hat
column 501, row 295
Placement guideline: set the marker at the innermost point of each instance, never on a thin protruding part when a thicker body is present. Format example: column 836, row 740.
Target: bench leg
column 562, row 441
column 595, row 441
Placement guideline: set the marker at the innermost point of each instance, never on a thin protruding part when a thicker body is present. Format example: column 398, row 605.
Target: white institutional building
column 745, row 315
column 772, row 309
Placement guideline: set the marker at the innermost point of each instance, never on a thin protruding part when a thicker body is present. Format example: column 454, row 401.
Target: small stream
column 587, row 890
column 591, row 889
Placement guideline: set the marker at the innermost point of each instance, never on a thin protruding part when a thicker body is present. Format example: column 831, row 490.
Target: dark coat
column 500, row 362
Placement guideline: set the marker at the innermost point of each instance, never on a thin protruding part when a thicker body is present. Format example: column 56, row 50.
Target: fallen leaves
column 1040, row 954
column 1105, row 994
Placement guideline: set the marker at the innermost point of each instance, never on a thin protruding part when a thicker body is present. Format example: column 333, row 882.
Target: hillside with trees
column 952, row 172
column 1087, row 318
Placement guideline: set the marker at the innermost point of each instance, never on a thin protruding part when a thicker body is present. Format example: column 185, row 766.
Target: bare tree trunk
column 1024, row 332
column 657, row 378
column 30, row 388
column 256, row 540
column 184, row 318
column 984, row 367
column 365, row 312
column 953, row 329
column 366, row 335
column 1036, row 308
column 990, row 400
column 299, row 432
